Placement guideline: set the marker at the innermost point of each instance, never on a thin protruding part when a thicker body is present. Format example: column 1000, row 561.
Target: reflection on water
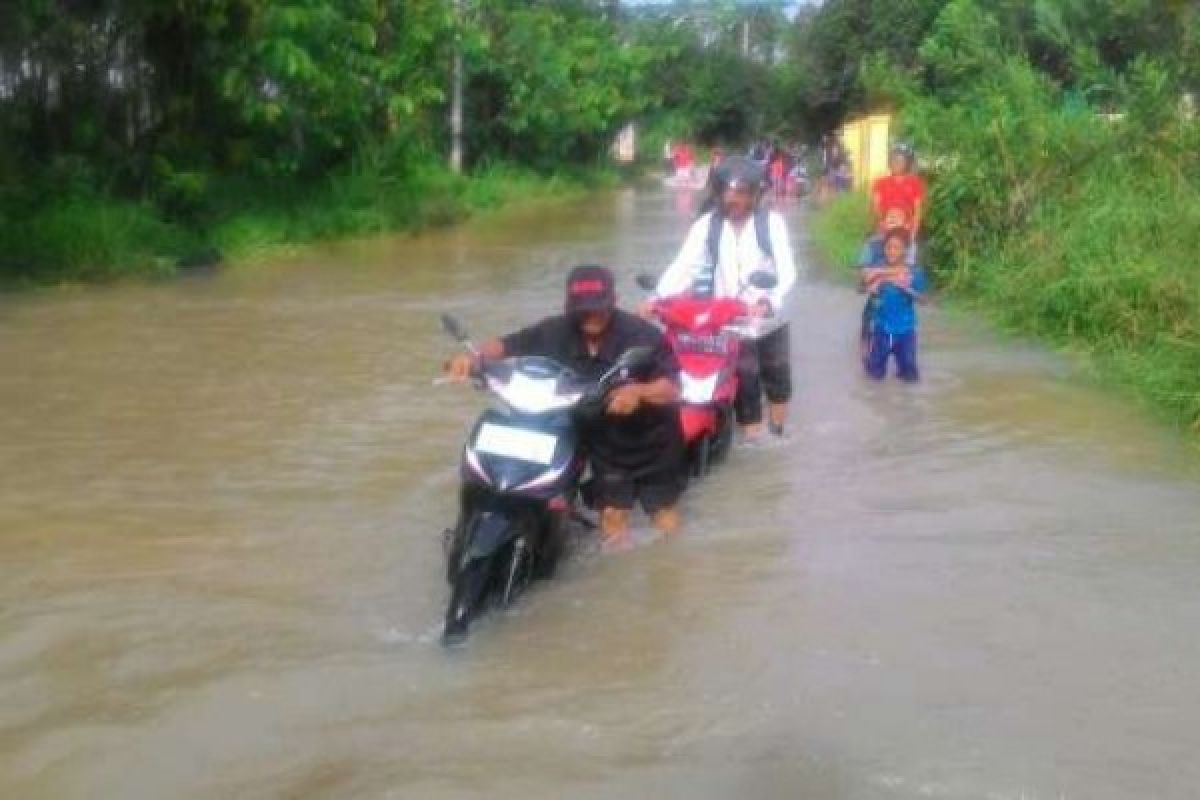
column 221, row 571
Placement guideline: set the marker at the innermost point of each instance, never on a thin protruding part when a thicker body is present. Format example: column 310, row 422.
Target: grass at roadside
column 364, row 203
column 839, row 229
column 89, row 236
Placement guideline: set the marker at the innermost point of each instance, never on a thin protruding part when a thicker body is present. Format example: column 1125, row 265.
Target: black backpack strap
column 762, row 230
column 705, row 282
column 712, row 244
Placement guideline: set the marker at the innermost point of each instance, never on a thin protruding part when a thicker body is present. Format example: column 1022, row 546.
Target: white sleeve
column 677, row 279
column 785, row 264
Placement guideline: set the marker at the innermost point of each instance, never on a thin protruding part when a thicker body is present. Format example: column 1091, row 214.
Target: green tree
column 320, row 81
column 550, row 83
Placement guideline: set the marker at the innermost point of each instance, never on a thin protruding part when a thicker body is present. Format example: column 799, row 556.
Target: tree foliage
column 719, row 71
column 189, row 107
column 1066, row 174
column 551, row 83
column 139, row 89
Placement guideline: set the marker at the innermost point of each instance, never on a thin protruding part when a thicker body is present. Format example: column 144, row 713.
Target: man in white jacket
column 723, row 249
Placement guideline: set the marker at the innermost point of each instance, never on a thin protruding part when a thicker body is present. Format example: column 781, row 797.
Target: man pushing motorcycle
column 635, row 447
column 724, row 247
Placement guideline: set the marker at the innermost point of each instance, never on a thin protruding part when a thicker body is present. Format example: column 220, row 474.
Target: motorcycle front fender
column 697, row 421
column 490, row 531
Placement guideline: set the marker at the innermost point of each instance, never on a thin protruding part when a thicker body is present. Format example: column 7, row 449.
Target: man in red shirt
column 898, row 199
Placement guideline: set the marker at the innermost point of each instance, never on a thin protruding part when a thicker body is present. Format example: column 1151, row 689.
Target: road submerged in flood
column 221, row 575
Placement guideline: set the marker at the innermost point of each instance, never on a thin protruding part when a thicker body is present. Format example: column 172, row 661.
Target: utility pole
column 456, row 94
column 746, row 36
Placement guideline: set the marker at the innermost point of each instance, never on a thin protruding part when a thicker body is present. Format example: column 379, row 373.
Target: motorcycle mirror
column 763, row 280
column 646, row 281
column 636, row 358
column 454, row 328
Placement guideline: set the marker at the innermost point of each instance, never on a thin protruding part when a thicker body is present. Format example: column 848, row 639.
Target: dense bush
column 88, row 238
column 1057, row 216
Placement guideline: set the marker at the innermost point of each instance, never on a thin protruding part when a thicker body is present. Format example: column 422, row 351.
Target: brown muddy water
column 221, row 575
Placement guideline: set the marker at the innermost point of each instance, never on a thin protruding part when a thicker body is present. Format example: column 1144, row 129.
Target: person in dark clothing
column 636, row 447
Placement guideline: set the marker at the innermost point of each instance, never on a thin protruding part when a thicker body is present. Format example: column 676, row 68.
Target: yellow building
column 866, row 141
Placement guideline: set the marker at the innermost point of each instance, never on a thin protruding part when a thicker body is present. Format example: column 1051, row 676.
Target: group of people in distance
column 836, row 174
column 636, row 449
column 786, row 167
column 680, row 157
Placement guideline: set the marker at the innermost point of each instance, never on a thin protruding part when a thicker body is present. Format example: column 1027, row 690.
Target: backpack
column 706, row 281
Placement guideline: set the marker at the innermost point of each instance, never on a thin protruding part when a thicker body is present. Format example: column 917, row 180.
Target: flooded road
column 221, row 573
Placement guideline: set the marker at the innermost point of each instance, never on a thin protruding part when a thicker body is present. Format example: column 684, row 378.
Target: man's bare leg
column 778, row 414
column 614, row 527
column 666, row 520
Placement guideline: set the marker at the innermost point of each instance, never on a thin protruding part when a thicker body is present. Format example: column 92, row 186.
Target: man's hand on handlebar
column 761, row 309
column 461, row 366
column 625, row 400
column 648, row 309
column 464, row 366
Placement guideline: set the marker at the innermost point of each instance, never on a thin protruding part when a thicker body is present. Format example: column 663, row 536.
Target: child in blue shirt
column 895, row 288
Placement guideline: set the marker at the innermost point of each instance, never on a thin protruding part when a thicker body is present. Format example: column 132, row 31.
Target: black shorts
column 764, row 367
column 655, row 492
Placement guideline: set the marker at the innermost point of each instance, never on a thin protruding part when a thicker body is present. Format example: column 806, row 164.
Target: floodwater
column 220, row 564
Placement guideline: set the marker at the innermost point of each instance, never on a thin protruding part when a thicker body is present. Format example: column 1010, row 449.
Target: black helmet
column 904, row 149
column 738, row 172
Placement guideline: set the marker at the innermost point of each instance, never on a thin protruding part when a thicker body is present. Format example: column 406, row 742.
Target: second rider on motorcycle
column 635, row 446
column 723, row 249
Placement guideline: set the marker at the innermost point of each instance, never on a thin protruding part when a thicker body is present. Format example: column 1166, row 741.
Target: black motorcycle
column 521, row 472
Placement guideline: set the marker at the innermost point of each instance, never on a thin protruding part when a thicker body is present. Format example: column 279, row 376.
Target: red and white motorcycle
column 706, row 334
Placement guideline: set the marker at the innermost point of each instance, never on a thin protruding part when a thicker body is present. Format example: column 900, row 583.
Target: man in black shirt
column 636, row 448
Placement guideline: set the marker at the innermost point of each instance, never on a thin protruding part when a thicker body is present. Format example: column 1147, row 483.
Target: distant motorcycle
column 521, row 472
column 706, row 333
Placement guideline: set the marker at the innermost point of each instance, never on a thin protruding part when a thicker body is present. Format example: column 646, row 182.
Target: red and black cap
column 590, row 288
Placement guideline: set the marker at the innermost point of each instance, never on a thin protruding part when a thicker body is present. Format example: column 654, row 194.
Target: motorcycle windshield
column 535, row 385
column 699, row 316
